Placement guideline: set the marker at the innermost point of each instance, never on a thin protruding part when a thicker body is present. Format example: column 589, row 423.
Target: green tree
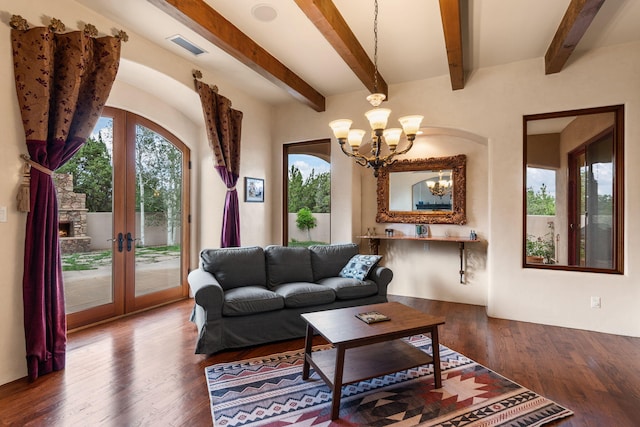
column 308, row 194
column 605, row 204
column 539, row 202
column 313, row 193
column 306, row 221
column 158, row 179
column 296, row 183
column 92, row 174
column 319, row 190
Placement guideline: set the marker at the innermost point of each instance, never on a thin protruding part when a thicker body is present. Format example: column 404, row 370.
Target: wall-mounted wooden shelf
column 374, row 244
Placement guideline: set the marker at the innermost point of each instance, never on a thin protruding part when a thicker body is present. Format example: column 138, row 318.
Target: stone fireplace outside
column 72, row 216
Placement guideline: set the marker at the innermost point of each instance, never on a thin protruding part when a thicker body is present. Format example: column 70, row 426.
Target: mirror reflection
column 429, row 190
column 573, row 190
column 423, row 191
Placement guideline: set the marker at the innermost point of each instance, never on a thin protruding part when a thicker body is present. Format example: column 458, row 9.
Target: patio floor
column 90, row 288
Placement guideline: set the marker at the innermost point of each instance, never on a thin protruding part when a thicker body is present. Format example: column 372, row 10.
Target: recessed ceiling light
column 264, row 12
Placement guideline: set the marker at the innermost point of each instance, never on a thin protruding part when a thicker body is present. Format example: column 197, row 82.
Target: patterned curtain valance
column 223, row 125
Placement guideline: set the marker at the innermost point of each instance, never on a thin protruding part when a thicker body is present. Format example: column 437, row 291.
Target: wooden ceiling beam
column 204, row 20
column 326, row 17
column 452, row 27
column 574, row 25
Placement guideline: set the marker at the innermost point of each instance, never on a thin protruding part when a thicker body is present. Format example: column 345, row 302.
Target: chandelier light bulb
column 355, row 138
column 340, row 128
column 410, row 124
column 392, row 137
column 378, row 118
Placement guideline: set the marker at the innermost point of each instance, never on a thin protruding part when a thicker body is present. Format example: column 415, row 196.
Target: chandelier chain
column 380, row 136
column 375, row 47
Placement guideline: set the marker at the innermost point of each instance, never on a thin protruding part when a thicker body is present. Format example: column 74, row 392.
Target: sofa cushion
column 347, row 288
column 235, row 267
column 359, row 266
column 328, row 260
column 301, row 294
column 250, row 300
column 287, row 264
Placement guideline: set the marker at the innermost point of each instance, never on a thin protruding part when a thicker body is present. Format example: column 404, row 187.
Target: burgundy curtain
column 62, row 83
column 224, row 129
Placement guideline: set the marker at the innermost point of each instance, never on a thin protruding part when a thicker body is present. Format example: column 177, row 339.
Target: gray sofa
column 250, row 295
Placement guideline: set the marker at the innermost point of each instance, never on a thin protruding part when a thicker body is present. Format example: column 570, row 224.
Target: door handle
column 130, row 240
column 120, row 240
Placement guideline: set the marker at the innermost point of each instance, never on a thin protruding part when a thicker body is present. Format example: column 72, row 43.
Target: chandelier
column 380, row 136
column 440, row 187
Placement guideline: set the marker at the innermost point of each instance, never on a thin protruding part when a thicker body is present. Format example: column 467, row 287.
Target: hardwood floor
column 141, row 370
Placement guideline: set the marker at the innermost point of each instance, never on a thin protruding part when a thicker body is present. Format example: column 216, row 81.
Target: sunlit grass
column 304, row 244
column 92, row 260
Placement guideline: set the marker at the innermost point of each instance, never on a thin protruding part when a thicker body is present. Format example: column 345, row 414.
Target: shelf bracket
column 374, row 245
column 461, row 248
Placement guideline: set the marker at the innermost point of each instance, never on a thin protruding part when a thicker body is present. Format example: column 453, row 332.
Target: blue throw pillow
column 359, row 266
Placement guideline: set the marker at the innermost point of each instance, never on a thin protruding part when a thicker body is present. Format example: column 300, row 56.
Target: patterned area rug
column 269, row 391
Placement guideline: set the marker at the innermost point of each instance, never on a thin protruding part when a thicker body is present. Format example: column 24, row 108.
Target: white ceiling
column 411, row 43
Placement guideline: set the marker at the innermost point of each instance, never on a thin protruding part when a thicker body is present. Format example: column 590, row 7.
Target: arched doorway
column 307, row 185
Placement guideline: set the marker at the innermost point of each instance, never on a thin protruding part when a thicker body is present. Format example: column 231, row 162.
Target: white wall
column 491, row 106
column 153, row 83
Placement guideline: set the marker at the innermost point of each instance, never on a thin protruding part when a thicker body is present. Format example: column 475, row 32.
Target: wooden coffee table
column 362, row 351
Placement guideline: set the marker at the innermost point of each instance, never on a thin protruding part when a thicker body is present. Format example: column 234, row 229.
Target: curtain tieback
column 232, row 188
column 24, row 193
column 36, row 165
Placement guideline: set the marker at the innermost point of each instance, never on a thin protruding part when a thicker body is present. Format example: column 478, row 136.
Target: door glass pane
column 158, row 212
column 598, row 204
column 84, row 188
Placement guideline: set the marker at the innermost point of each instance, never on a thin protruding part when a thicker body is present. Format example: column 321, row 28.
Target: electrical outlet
column 426, row 247
column 596, row 302
column 3, row 214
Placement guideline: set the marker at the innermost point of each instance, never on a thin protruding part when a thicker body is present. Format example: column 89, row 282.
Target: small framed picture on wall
column 253, row 190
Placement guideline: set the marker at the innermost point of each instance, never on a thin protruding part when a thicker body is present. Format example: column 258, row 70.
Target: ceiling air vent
column 186, row 44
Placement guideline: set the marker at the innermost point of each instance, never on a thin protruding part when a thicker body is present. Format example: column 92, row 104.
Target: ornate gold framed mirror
column 423, row 191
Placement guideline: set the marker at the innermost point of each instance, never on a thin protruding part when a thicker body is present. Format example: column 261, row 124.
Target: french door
column 136, row 251
column 591, row 203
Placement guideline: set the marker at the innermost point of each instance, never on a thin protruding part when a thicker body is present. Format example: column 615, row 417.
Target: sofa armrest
column 382, row 276
column 207, row 292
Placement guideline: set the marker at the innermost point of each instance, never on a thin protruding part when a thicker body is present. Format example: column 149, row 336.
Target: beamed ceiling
column 318, row 48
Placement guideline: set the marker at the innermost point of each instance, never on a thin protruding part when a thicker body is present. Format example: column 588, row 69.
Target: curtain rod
column 197, row 75
column 17, row 22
